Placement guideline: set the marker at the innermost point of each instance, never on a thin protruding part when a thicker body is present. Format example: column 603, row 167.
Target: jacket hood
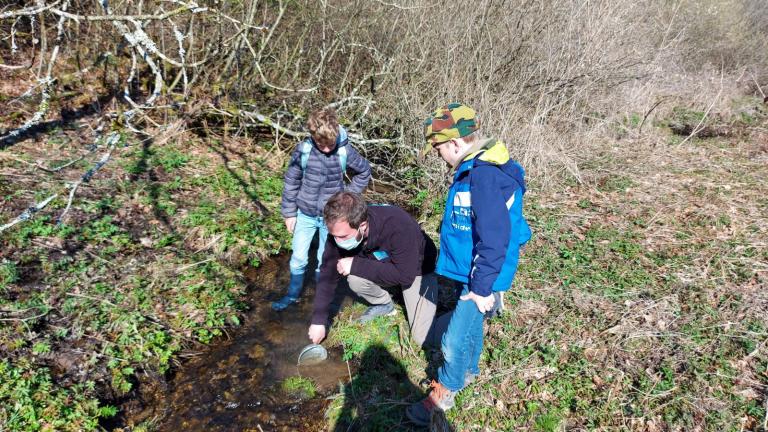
column 493, row 152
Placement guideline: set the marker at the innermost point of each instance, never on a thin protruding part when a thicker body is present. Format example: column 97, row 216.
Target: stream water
column 235, row 385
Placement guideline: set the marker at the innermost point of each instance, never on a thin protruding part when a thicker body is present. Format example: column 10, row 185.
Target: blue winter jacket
column 483, row 226
column 308, row 189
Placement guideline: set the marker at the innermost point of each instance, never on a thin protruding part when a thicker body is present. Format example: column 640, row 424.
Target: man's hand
column 344, row 266
column 290, row 223
column 484, row 304
column 316, row 333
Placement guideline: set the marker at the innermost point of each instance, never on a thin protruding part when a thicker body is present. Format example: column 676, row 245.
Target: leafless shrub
column 550, row 77
column 728, row 34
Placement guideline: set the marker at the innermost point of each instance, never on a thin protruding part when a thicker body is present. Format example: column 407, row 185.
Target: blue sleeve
column 362, row 169
column 292, row 184
column 491, row 233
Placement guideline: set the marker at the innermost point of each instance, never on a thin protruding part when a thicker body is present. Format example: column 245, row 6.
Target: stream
column 235, row 384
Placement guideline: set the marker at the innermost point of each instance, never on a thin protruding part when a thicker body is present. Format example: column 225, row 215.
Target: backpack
column 306, row 149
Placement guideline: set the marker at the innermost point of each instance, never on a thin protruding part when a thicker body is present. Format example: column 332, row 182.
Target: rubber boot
column 294, row 291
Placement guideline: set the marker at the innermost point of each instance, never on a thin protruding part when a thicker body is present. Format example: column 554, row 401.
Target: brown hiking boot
column 439, row 398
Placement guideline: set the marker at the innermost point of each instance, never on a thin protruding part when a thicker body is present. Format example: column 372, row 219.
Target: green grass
column 389, row 367
column 627, row 314
column 8, row 274
column 601, row 329
column 299, row 387
column 151, row 269
column 244, row 233
column 31, row 401
column 598, row 259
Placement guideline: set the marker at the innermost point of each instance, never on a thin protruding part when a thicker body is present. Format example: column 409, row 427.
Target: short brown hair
column 346, row 206
column 471, row 138
column 323, row 124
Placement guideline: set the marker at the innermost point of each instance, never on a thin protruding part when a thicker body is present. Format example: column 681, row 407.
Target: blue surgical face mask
column 350, row 243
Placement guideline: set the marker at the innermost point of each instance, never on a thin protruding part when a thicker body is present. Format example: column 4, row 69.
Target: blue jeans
column 462, row 344
column 303, row 232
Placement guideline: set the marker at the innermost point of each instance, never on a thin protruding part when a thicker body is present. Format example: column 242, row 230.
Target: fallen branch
column 192, row 7
column 112, row 141
column 28, row 213
column 359, row 139
column 182, row 54
column 60, row 167
column 252, row 115
column 401, row 7
column 25, row 319
column 187, row 266
column 138, row 46
column 29, row 11
column 699, row 127
column 13, row 67
column 262, row 119
column 47, row 84
column 42, row 110
column 140, row 37
column 38, row 165
column 107, row 302
column 339, row 103
column 266, row 83
column 647, row 113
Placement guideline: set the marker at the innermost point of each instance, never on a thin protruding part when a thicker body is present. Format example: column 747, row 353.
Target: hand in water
column 316, row 333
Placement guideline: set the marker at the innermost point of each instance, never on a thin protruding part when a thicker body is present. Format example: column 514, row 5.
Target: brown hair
column 346, row 206
column 472, row 138
column 323, row 125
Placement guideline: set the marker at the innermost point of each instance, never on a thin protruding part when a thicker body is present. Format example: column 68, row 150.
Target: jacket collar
column 490, row 150
column 371, row 241
column 494, row 152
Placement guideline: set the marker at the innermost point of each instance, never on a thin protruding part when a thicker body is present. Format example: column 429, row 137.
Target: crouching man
column 375, row 247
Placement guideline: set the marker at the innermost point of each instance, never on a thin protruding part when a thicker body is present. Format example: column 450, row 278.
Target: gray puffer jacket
column 309, row 189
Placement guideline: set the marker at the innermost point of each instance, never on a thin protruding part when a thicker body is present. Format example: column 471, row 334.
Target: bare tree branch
column 111, row 143
column 191, row 8
column 32, row 10
column 28, row 213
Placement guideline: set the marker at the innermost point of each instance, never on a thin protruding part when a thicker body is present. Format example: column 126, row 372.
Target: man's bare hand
column 484, row 304
column 344, row 266
column 316, row 333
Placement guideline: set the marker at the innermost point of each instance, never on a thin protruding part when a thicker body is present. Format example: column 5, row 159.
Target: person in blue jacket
column 315, row 172
column 481, row 234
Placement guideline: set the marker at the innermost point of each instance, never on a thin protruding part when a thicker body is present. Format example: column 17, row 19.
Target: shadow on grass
column 248, row 186
column 376, row 398
column 143, row 167
column 68, row 116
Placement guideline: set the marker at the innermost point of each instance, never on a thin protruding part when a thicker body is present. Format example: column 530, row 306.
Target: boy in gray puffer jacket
column 315, row 172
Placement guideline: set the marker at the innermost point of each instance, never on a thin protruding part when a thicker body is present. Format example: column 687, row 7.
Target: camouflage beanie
column 450, row 121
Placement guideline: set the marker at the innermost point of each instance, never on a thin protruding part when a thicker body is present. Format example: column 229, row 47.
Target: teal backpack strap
column 343, row 159
column 306, row 149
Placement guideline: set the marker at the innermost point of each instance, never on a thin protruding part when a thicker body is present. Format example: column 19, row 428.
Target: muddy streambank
column 236, row 383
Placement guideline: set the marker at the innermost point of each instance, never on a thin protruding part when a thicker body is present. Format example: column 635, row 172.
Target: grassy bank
column 640, row 303
column 142, row 270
